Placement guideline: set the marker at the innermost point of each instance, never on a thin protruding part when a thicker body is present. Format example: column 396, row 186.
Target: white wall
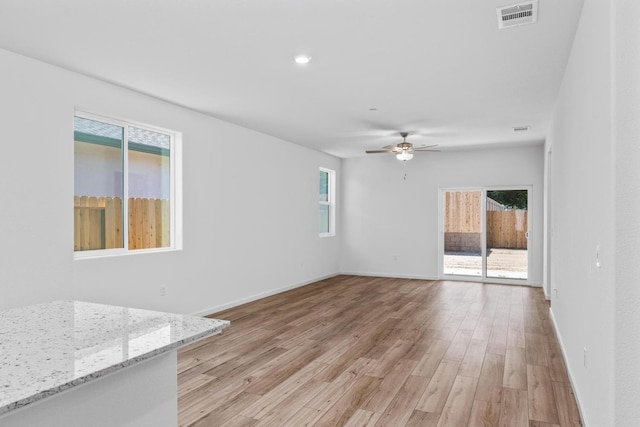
column 250, row 203
column 583, row 215
column 626, row 105
column 386, row 216
column 35, row 168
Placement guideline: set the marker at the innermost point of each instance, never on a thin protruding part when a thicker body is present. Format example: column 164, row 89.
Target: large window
column 327, row 202
column 124, row 187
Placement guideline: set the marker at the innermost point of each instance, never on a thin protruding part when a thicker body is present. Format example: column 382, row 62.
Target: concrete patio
column 501, row 263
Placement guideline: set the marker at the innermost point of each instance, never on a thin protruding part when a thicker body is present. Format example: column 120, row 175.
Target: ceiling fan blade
column 425, row 148
column 392, row 148
column 378, row 151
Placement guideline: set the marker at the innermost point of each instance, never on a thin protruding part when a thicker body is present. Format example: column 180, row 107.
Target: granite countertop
column 48, row 348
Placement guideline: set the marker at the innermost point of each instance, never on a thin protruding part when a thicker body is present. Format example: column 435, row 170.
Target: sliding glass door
column 485, row 233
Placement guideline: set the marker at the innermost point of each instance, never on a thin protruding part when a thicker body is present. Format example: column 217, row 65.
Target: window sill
column 109, row 253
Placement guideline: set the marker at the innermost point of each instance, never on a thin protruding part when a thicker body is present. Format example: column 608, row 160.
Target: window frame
column 175, row 188
column 331, row 202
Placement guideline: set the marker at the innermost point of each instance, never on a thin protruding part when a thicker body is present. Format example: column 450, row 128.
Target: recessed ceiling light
column 302, row 59
column 373, row 109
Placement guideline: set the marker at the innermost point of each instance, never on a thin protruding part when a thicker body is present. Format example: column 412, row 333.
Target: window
column 327, row 202
column 124, row 187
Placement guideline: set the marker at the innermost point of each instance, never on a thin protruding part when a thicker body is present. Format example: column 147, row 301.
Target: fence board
column 77, row 227
column 164, row 223
column 135, row 224
column 157, row 212
column 150, row 223
column 157, row 208
column 113, row 222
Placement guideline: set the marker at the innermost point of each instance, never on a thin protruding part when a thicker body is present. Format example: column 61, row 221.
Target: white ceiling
column 440, row 69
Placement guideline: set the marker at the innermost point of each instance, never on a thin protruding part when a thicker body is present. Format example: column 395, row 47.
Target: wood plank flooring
column 361, row 351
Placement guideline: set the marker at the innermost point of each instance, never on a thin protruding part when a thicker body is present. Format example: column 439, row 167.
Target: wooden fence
column 98, row 223
column 462, row 222
column 462, row 212
column 507, row 229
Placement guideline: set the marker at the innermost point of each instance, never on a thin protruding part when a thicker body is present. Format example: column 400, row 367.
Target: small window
column 124, row 187
column 327, row 202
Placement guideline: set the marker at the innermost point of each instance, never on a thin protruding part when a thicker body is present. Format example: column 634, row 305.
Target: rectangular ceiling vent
column 518, row 14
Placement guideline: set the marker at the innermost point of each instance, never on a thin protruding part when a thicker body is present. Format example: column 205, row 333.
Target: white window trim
column 175, row 188
column 331, row 202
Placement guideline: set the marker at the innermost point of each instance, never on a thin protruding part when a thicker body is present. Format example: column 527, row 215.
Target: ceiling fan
column 404, row 150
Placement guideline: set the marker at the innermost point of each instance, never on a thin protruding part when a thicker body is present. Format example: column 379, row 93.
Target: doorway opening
column 485, row 233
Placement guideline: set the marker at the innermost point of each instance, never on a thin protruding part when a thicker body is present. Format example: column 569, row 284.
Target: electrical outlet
column 395, row 257
column 555, row 292
column 163, row 291
column 584, row 357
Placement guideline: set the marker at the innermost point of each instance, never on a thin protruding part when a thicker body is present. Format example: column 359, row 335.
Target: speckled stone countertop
column 52, row 347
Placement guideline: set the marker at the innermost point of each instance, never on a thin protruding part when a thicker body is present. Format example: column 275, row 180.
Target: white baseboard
column 241, row 301
column 448, row 278
column 566, row 363
column 392, row 276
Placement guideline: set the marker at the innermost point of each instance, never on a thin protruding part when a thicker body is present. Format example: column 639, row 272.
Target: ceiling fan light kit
column 302, row 59
column 404, row 156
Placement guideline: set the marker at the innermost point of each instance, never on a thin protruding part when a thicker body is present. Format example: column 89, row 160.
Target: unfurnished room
column 320, row 213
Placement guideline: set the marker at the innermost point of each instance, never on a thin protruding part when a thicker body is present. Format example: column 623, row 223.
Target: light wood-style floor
column 362, row 351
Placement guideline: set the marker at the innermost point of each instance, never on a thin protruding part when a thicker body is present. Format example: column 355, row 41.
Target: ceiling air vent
column 518, row 14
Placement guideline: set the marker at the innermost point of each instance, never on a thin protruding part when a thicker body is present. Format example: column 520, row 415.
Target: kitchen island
column 72, row 363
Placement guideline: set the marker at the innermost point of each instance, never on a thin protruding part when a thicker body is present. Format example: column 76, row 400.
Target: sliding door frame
column 483, row 227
